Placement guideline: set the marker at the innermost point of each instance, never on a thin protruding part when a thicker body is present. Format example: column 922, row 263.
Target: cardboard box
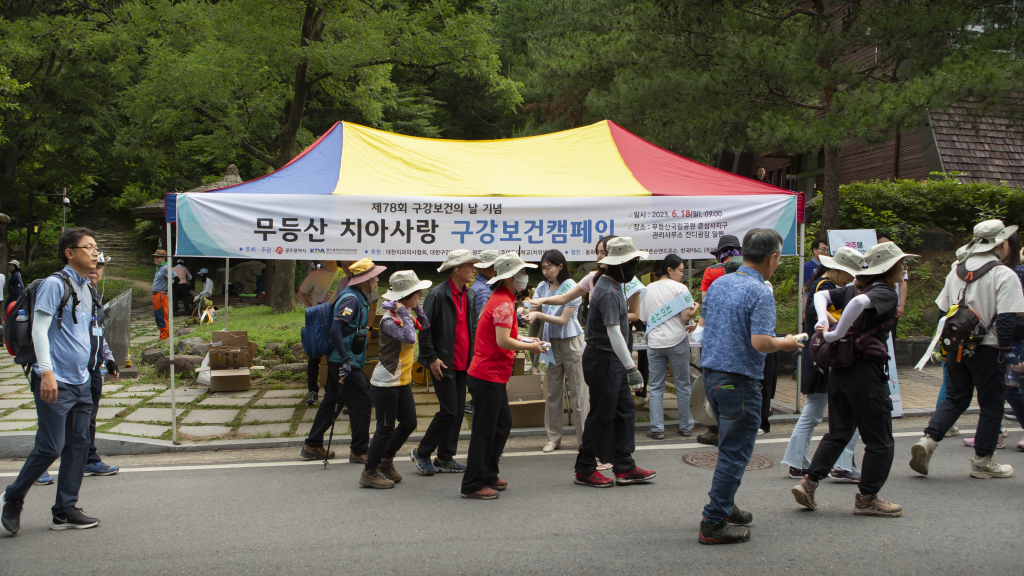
column 225, row 357
column 323, row 372
column 237, row 338
column 519, row 364
column 369, row 368
column 372, row 349
column 525, row 388
column 235, row 380
column 529, row 414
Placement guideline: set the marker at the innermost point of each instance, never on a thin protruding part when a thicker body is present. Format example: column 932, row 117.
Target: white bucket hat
column 456, row 257
column 880, row 258
column 404, row 283
column 487, row 258
column 621, row 250
column 507, row 265
column 987, row 235
column 846, row 259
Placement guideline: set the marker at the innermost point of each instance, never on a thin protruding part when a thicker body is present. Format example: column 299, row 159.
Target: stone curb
column 19, row 444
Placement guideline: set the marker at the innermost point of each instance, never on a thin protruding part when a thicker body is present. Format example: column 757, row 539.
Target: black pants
column 644, row 366
column 768, row 385
column 313, row 374
column 393, row 404
column 96, row 385
column 443, row 432
column 180, row 292
column 610, row 422
column 355, row 394
column 983, row 371
column 858, row 398
column 492, row 423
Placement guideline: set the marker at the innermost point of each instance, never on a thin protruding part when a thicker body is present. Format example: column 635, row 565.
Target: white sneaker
column 987, row 468
column 551, row 446
column 953, row 431
column 921, row 454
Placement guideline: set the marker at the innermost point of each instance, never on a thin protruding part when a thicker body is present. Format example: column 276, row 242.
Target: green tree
column 782, row 76
column 258, row 76
column 9, row 88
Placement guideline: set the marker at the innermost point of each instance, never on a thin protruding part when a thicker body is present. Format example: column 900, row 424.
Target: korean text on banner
column 421, row 230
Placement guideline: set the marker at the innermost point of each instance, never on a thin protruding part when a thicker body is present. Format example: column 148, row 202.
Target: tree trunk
column 282, row 298
column 830, row 193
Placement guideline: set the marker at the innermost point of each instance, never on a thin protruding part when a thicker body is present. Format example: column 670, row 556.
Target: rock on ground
column 152, row 355
column 194, row 346
column 182, row 365
column 293, row 367
column 297, row 351
column 274, row 347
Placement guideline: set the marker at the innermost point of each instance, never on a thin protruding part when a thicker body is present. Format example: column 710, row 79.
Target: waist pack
column 316, row 336
column 844, row 352
column 964, row 328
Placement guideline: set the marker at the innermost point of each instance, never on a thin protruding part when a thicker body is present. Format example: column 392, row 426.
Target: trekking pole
column 337, row 413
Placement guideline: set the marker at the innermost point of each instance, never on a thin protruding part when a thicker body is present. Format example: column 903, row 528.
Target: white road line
column 686, row 446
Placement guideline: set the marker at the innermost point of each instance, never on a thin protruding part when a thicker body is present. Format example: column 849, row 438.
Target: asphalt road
column 266, row 513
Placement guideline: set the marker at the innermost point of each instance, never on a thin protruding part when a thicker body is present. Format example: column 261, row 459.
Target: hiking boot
column 422, row 464
column 75, row 519
column 721, row 533
column 101, row 469
column 804, row 493
column 1000, row 441
column 44, row 480
column 484, row 493
column 921, row 454
column 872, row 505
column 374, row 479
column 840, row 475
column 387, row 468
column 738, row 517
column 796, row 473
column 954, row 430
column 499, row 485
column 634, row 476
column 315, row 452
column 709, row 438
column 312, row 398
column 597, row 480
column 10, row 513
column 987, row 468
column 354, row 458
column 448, row 466
column 655, row 435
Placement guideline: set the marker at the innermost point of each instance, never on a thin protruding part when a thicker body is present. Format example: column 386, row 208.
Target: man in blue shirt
column 160, row 301
column 739, row 331
column 60, row 384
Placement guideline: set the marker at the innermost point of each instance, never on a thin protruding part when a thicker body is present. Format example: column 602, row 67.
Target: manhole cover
column 709, row 459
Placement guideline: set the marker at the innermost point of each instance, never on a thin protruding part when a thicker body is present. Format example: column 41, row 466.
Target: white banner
column 312, row 227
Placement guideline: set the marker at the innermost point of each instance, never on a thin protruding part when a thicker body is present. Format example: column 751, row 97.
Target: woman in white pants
column 831, row 273
column 565, row 359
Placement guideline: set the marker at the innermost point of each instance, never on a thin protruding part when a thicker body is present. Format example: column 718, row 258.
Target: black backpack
column 964, row 329
column 18, row 333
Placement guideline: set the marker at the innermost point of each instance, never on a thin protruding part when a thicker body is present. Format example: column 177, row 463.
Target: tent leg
column 800, row 316
column 170, row 328
column 689, row 274
column 227, row 275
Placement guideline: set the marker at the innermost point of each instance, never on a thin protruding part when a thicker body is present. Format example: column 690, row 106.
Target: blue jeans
column 800, row 440
column 736, row 403
column 659, row 359
column 63, row 431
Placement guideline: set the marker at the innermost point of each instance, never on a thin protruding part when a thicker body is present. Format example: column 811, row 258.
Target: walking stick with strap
column 337, row 412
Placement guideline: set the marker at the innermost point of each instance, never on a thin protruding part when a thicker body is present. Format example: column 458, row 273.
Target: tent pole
column 227, row 274
column 170, row 328
column 800, row 316
column 689, row 274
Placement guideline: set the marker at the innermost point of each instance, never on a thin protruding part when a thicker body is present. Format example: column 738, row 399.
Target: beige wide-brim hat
column 880, row 258
column 456, row 257
column 846, row 259
column 487, row 258
column 405, row 283
column 621, row 250
column 987, row 235
column 364, row 270
column 507, row 265
column 160, row 254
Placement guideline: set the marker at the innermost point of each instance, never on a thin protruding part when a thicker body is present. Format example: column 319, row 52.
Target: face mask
column 623, row 272
column 520, row 280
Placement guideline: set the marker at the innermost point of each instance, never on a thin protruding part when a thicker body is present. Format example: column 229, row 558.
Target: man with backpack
column 320, row 286
column 346, row 383
column 61, row 308
column 978, row 339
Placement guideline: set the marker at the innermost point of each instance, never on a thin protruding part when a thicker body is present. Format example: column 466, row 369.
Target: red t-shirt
column 712, row 274
column 461, row 359
column 490, row 361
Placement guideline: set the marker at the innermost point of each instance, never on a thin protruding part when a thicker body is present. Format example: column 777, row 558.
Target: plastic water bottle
column 1012, row 378
column 22, row 316
column 103, row 372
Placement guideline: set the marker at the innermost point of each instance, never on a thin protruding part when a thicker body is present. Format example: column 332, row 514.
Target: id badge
column 97, row 331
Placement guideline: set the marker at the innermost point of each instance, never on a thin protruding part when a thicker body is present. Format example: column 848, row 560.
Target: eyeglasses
column 93, row 249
